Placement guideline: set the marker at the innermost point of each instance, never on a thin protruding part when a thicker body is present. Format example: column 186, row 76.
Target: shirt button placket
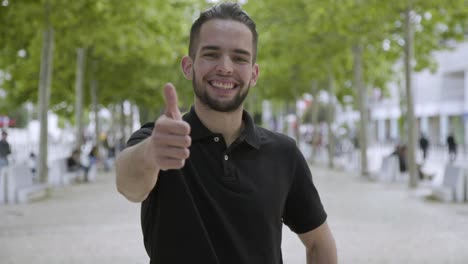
column 226, row 157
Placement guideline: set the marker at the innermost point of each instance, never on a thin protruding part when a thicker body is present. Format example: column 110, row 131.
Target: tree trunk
column 315, row 124
column 362, row 100
column 123, row 124
column 131, row 119
column 113, row 135
column 45, row 81
column 94, row 102
column 297, row 132
column 330, row 119
column 80, row 65
column 411, row 121
column 94, row 99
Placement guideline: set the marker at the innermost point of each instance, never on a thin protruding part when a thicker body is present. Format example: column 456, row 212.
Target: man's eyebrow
column 242, row 52
column 210, row 48
column 216, row 48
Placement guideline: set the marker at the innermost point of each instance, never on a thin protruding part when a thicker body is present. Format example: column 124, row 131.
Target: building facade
column 440, row 102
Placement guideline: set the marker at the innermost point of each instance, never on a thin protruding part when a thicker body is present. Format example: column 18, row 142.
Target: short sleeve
column 141, row 134
column 303, row 211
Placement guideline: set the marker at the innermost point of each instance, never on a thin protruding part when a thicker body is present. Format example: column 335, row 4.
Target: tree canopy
column 134, row 47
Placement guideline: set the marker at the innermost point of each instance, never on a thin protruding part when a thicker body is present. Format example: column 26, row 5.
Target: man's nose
column 224, row 65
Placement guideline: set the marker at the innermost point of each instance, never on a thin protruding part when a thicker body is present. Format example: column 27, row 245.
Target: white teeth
column 222, row 85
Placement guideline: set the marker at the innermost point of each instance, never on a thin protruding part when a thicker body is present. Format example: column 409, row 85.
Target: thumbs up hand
column 170, row 140
column 170, row 97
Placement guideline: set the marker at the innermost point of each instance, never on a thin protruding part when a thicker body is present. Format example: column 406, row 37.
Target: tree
column 370, row 32
column 121, row 46
column 429, row 38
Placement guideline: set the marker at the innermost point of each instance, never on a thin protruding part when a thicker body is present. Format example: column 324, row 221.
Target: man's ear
column 187, row 67
column 255, row 73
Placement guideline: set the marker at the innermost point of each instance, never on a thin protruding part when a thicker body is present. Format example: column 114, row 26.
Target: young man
column 214, row 187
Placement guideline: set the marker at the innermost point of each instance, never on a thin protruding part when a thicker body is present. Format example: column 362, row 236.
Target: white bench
column 389, row 169
column 453, row 187
column 3, row 189
column 466, row 183
column 20, row 186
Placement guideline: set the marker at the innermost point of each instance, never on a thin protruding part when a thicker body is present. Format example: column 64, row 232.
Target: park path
column 372, row 222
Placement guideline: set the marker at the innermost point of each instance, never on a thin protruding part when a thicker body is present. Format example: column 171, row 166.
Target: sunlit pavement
column 375, row 222
column 372, row 223
column 84, row 223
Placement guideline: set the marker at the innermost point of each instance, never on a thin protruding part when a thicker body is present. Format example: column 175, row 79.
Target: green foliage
column 310, row 37
column 134, row 47
column 20, row 114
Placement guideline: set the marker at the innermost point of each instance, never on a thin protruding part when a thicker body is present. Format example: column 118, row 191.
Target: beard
column 212, row 103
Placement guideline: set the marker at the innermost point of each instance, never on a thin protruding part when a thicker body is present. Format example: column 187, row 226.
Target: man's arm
column 320, row 245
column 137, row 167
column 136, row 176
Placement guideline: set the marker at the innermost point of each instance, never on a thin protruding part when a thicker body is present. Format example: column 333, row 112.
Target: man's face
column 222, row 70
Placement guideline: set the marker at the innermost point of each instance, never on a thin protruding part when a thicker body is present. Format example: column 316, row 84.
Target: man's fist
column 170, row 139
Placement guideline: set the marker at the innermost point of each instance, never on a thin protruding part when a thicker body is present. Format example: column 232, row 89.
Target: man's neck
column 229, row 124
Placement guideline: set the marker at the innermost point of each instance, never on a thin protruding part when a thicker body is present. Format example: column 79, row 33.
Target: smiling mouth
column 223, row 85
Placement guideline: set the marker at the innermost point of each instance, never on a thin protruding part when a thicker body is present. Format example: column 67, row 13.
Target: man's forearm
column 135, row 176
column 325, row 254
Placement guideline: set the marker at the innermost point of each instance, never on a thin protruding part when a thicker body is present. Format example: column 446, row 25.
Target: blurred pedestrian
column 400, row 152
column 424, row 145
column 5, row 149
column 93, row 155
column 32, row 163
column 452, row 147
column 74, row 163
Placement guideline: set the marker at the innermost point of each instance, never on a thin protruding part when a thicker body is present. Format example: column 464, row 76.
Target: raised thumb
column 170, row 97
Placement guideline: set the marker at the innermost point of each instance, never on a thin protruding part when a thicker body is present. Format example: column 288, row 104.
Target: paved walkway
column 372, row 223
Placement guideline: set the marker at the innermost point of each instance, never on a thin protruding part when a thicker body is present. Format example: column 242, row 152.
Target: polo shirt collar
column 198, row 131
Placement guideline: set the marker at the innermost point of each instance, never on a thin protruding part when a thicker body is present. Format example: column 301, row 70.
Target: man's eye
column 241, row 59
column 210, row 55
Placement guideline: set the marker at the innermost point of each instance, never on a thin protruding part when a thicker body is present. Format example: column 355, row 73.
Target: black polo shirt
column 228, row 204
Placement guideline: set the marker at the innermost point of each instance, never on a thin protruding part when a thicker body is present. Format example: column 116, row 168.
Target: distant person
column 452, row 147
column 109, row 162
column 424, row 145
column 74, row 163
column 93, row 155
column 93, row 158
column 32, row 164
column 400, row 152
column 5, row 149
